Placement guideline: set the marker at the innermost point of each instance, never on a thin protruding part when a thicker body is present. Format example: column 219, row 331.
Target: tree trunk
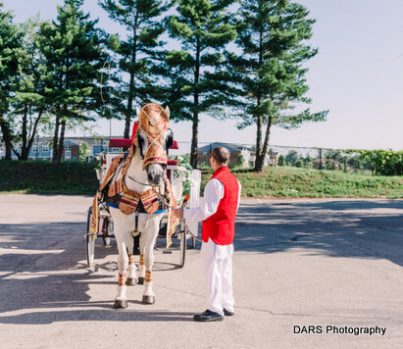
column 128, row 119
column 195, row 136
column 260, row 160
column 24, row 154
column 33, row 134
column 131, row 97
column 259, row 135
column 195, row 125
column 259, row 123
column 60, row 150
column 259, row 119
column 5, row 130
column 55, row 144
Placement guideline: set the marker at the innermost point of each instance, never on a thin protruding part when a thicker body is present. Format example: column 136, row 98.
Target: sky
column 357, row 75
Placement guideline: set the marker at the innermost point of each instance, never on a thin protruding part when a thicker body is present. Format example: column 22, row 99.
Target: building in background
column 42, row 148
column 241, row 155
column 87, row 148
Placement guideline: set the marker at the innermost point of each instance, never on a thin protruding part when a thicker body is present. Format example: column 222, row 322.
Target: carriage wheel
column 182, row 246
column 90, row 240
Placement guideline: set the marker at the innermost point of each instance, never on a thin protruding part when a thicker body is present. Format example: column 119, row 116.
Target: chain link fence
column 244, row 156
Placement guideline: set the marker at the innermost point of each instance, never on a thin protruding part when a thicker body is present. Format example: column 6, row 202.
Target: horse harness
column 113, row 189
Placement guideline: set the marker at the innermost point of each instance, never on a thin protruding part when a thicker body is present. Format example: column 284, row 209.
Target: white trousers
column 218, row 270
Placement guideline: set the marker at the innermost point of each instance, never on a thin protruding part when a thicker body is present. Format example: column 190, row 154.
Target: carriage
column 170, row 239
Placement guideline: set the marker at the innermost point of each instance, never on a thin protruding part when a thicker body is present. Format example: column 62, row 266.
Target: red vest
column 220, row 227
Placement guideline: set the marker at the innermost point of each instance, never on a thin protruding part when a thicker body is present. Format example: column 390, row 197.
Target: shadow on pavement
column 43, row 276
column 361, row 229
column 42, row 279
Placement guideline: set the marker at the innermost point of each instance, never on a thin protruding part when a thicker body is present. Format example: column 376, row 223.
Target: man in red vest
column 218, row 213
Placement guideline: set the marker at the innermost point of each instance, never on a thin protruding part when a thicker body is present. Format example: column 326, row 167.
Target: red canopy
column 120, row 142
column 126, row 143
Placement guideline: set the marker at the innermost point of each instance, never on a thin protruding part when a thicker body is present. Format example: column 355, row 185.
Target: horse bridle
column 153, row 139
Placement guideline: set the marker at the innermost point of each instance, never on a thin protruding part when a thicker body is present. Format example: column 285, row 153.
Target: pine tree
column 74, row 53
column 27, row 104
column 203, row 28
column 269, row 73
column 138, row 54
column 10, row 51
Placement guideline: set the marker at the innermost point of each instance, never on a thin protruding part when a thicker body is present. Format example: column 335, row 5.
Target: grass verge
column 74, row 178
column 293, row 182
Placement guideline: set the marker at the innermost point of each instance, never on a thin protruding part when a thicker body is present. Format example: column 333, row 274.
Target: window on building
column 45, row 148
column 67, row 148
column 35, row 148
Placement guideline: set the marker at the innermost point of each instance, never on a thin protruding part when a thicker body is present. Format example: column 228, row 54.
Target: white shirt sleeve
column 213, row 193
column 239, row 195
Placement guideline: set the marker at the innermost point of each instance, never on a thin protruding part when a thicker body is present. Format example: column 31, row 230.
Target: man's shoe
column 208, row 316
column 228, row 312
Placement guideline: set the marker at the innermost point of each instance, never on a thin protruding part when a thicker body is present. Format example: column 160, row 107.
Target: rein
column 189, row 231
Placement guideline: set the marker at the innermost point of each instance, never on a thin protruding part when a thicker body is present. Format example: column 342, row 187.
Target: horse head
column 153, row 140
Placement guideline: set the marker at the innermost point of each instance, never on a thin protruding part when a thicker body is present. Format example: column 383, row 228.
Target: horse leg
column 142, row 271
column 131, row 277
column 121, row 232
column 148, row 295
column 150, row 237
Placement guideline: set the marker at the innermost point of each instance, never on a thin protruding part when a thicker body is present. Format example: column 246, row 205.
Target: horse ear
column 168, row 112
column 169, row 139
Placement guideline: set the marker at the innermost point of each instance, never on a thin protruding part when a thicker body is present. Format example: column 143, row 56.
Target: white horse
column 142, row 175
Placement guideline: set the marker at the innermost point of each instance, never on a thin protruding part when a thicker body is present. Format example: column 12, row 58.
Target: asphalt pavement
column 307, row 274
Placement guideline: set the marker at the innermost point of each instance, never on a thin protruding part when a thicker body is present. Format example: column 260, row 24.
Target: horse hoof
column 120, row 304
column 148, row 300
column 131, row 282
column 140, row 281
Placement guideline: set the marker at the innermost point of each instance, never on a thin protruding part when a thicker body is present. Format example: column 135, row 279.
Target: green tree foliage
column 292, row 158
column 381, row 162
column 10, row 50
column 203, row 29
column 269, row 73
column 281, row 160
column 139, row 54
column 27, row 103
column 74, row 53
column 83, row 151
